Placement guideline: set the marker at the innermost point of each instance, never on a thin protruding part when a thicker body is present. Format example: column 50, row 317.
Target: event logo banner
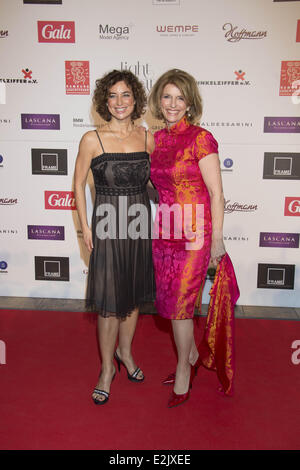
column 56, row 31
column 60, row 200
column 290, row 72
column 276, row 276
column 50, row 268
column 166, row 2
column 282, row 124
column 55, row 2
column 279, row 240
column 45, row 232
column 281, row 166
column 40, row 121
column 292, row 206
column 49, row 161
column 77, row 77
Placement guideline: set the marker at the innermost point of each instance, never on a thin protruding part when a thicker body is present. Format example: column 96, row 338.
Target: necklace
column 121, row 138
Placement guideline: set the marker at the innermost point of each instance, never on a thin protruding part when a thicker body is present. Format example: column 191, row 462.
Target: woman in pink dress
column 185, row 170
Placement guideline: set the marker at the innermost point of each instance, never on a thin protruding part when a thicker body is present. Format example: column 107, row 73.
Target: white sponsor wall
column 245, row 56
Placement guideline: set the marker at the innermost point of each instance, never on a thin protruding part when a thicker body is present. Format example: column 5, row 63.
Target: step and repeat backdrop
column 245, row 56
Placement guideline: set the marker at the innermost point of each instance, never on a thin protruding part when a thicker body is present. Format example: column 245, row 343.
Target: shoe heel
column 118, row 360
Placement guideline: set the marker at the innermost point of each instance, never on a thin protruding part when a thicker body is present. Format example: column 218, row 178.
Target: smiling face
column 120, row 101
column 173, row 104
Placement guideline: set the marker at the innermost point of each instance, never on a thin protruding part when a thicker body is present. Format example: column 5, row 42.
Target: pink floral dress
column 181, row 243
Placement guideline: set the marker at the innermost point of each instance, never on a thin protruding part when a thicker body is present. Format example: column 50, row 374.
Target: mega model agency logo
column 117, row 32
column 49, row 161
column 60, row 200
column 275, row 276
column 282, row 124
column 40, row 121
column 27, row 78
column 279, row 240
column 51, row 268
column 281, row 166
column 77, row 77
column 290, row 73
column 56, row 31
column 236, row 34
column 292, row 206
column 45, row 232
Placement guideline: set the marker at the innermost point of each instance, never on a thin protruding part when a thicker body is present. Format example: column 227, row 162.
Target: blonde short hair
column 188, row 87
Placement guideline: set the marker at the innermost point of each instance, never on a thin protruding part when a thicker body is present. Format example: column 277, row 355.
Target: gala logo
column 56, row 31
column 60, row 200
column 292, row 206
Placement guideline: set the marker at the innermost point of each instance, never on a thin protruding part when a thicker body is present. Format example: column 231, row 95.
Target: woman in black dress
column 120, row 269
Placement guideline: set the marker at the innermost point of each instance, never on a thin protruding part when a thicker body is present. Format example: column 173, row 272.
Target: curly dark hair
column 104, row 84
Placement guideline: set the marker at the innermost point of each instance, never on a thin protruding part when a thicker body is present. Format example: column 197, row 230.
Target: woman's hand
column 88, row 238
column 217, row 251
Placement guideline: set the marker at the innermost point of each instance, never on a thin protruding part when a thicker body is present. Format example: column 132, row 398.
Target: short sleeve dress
column 181, row 243
column 120, row 276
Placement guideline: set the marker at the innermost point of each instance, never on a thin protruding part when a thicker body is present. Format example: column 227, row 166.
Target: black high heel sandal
column 102, row 392
column 133, row 376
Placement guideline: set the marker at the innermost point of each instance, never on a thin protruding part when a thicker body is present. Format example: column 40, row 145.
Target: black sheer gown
column 120, row 274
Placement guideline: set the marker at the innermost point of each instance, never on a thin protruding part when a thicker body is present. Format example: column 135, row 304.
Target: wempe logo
column 282, row 124
column 56, row 31
column 292, row 206
column 60, row 200
column 40, row 121
column 279, row 240
column 280, row 165
column 117, row 32
column 178, row 30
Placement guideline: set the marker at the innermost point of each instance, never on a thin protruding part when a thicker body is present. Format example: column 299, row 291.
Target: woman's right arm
column 86, row 152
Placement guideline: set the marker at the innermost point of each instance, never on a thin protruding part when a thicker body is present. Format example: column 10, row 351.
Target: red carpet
column 52, row 366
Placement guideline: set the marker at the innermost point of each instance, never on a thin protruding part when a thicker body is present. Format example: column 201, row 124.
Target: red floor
column 52, row 366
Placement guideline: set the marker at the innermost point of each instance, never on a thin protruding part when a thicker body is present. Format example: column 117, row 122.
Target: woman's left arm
column 211, row 173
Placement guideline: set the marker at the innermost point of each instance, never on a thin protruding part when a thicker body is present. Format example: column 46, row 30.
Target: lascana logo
column 56, row 31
